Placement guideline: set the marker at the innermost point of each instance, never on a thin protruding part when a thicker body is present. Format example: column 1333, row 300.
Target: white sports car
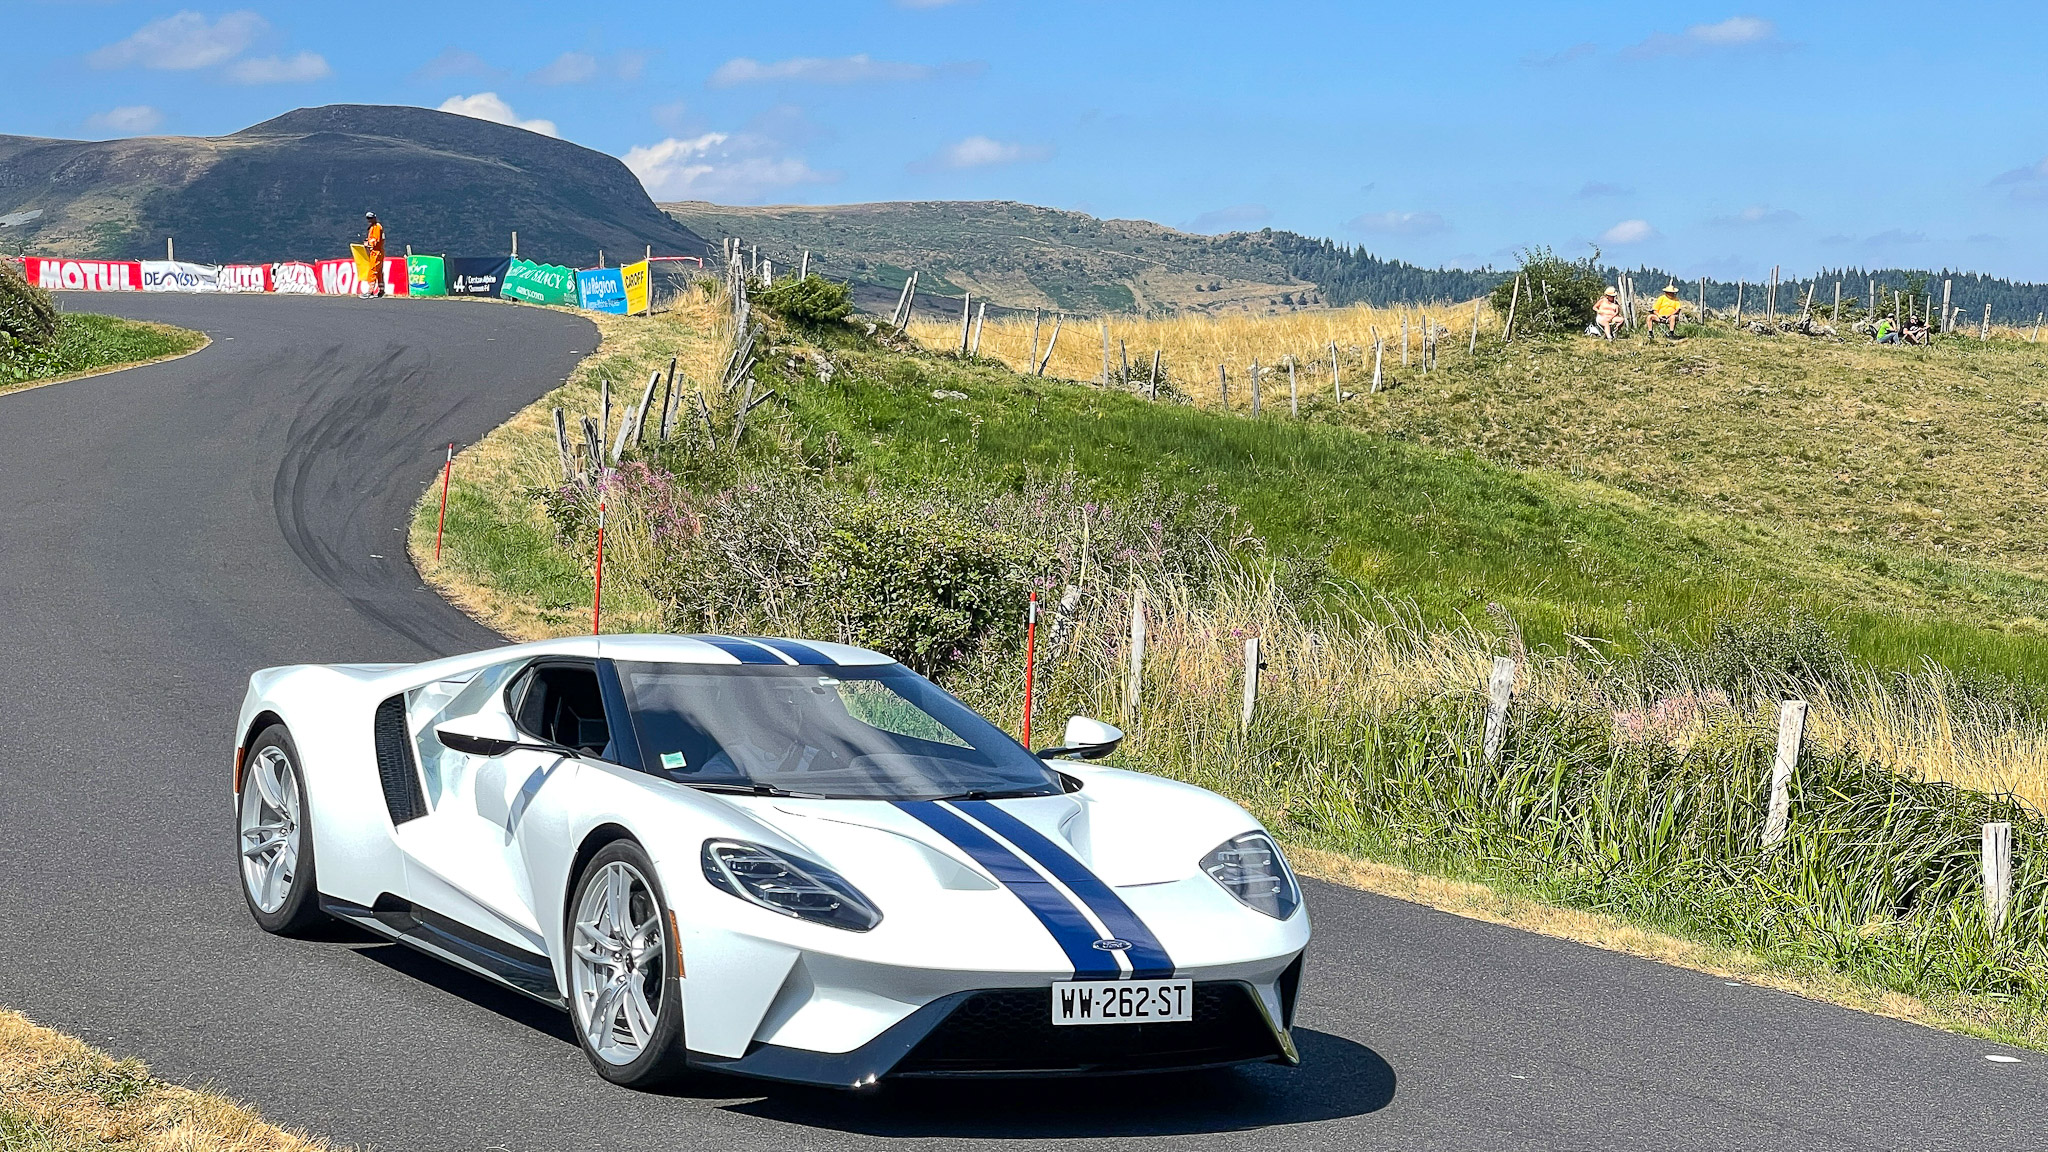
column 792, row 860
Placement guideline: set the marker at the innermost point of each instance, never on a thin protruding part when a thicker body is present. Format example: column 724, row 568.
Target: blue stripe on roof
column 1148, row 957
column 745, row 651
column 801, row 653
column 1070, row 930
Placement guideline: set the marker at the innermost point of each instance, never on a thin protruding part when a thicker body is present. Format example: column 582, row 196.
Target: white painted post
column 1337, row 376
column 1293, row 395
column 515, row 247
column 1984, row 333
column 803, row 270
column 1507, row 332
column 1997, row 874
column 170, row 248
column 1251, row 681
column 1500, row 689
column 1946, row 320
column 2037, row 326
column 1791, row 733
column 1835, row 317
column 1152, row 386
column 980, row 316
column 1378, row 349
column 1134, row 687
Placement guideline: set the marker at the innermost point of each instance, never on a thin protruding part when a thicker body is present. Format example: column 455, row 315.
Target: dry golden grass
column 58, row 1095
column 1192, row 346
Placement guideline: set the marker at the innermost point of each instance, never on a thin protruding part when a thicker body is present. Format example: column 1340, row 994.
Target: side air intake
column 395, row 768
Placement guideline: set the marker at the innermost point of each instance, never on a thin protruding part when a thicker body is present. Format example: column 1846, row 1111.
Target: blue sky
column 1709, row 139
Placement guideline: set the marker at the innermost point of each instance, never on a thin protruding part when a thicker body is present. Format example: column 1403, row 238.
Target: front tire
column 275, row 836
column 625, row 993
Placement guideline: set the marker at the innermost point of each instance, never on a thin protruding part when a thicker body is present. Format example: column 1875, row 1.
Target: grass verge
column 59, row 1095
column 1637, row 804
column 88, row 344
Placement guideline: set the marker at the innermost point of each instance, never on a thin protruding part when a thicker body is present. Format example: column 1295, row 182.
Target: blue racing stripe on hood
column 745, row 651
column 801, row 653
column 1070, row 930
column 1148, row 957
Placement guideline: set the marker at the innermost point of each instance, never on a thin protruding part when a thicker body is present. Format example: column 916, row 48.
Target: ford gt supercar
column 797, row 861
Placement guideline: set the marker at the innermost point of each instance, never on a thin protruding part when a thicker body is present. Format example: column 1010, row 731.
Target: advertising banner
column 637, row 288
column 178, row 276
column 540, row 283
column 397, row 280
column 294, row 277
column 424, row 276
column 245, row 278
column 601, row 290
column 476, row 275
column 83, row 275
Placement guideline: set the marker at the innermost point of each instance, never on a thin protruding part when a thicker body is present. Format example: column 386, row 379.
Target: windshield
column 874, row 732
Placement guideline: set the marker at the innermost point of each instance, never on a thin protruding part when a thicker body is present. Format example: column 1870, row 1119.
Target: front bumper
column 1008, row 1032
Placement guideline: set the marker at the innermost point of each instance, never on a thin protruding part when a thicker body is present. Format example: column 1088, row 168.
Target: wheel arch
column 264, row 719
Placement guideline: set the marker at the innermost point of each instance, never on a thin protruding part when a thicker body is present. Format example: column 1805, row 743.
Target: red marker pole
column 447, row 470
column 1030, row 660
column 597, row 596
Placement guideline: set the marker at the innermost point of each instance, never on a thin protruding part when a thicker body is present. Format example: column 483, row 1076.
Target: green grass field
column 87, row 343
column 1453, row 492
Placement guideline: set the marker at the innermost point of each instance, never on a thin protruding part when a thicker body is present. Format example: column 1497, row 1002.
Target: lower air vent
column 395, row 769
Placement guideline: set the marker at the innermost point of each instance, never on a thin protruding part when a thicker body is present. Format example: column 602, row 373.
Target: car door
column 461, row 857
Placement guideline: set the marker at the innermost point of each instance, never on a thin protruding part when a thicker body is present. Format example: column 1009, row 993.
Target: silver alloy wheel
column 271, row 828
column 619, row 965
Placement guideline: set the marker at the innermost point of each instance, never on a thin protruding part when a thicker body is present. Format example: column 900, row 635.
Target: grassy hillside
column 295, row 187
column 888, row 496
column 1023, row 256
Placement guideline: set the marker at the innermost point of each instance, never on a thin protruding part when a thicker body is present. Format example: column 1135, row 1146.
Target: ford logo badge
column 1112, row 945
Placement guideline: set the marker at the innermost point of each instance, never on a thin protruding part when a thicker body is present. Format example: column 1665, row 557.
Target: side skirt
column 428, row 931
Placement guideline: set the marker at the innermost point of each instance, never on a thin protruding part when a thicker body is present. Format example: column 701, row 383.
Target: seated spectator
column 1915, row 331
column 1665, row 311
column 1607, row 313
column 1887, row 331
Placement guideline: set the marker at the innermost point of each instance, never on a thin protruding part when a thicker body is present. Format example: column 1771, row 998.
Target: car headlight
column 1250, row 868
column 785, row 884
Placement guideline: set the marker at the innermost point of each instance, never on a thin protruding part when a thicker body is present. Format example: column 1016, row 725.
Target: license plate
column 1123, row 1001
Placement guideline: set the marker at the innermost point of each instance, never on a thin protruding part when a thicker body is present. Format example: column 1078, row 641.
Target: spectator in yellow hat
column 1665, row 311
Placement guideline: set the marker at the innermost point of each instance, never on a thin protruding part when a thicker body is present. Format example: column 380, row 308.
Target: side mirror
column 1086, row 738
column 484, row 734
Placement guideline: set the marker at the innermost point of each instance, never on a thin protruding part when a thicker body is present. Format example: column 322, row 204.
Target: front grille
column 1010, row 1032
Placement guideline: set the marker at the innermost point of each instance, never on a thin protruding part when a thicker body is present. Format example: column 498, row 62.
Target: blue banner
column 601, row 290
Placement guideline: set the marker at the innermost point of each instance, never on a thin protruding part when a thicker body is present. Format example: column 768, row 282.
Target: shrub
column 27, row 314
column 1751, row 651
column 1558, row 295
column 811, row 300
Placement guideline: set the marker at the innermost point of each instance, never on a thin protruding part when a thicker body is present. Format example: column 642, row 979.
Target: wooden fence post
column 1703, row 299
column 980, row 317
column 1255, row 388
column 1293, row 394
column 1738, row 300
column 1473, row 349
column 562, row 444
column 1997, row 874
column 1507, row 332
column 1031, row 365
column 646, row 404
column 1134, row 686
column 1223, row 387
column 1791, row 734
column 1946, row 319
column 1152, row 388
column 1123, row 356
column 966, row 321
column 1051, row 341
column 803, row 271
column 2037, row 326
column 1377, row 350
column 1105, row 353
column 1984, row 333
column 1251, row 682
column 1404, row 337
column 1337, row 378
column 1500, row 690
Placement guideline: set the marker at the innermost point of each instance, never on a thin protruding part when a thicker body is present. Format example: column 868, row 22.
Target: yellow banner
column 635, row 276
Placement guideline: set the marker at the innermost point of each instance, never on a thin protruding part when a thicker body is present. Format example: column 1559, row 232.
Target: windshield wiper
column 750, row 789
column 1013, row 794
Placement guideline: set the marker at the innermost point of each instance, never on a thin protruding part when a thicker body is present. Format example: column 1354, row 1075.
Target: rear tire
column 625, row 995
column 274, row 838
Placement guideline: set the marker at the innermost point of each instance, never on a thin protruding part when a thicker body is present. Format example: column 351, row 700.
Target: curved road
column 164, row 531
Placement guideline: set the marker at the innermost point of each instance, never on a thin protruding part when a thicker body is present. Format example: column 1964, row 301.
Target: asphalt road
column 166, row 530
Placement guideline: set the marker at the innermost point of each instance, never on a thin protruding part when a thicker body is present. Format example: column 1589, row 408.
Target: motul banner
column 83, row 275
column 338, row 277
column 294, row 277
column 245, row 278
column 397, row 280
column 177, row 276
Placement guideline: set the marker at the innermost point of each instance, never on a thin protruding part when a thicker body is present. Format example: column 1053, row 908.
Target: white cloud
column 568, row 68
column 280, row 69
column 857, row 69
column 1734, row 32
column 982, row 152
column 183, row 41
column 127, row 120
column 1628, row 232
column 717, row 166
column 1401, row 223
column 1236, row 218
column 487, row 106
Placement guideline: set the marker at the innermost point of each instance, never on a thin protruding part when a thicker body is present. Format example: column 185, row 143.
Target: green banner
column 426, row 276
column 540, row 283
